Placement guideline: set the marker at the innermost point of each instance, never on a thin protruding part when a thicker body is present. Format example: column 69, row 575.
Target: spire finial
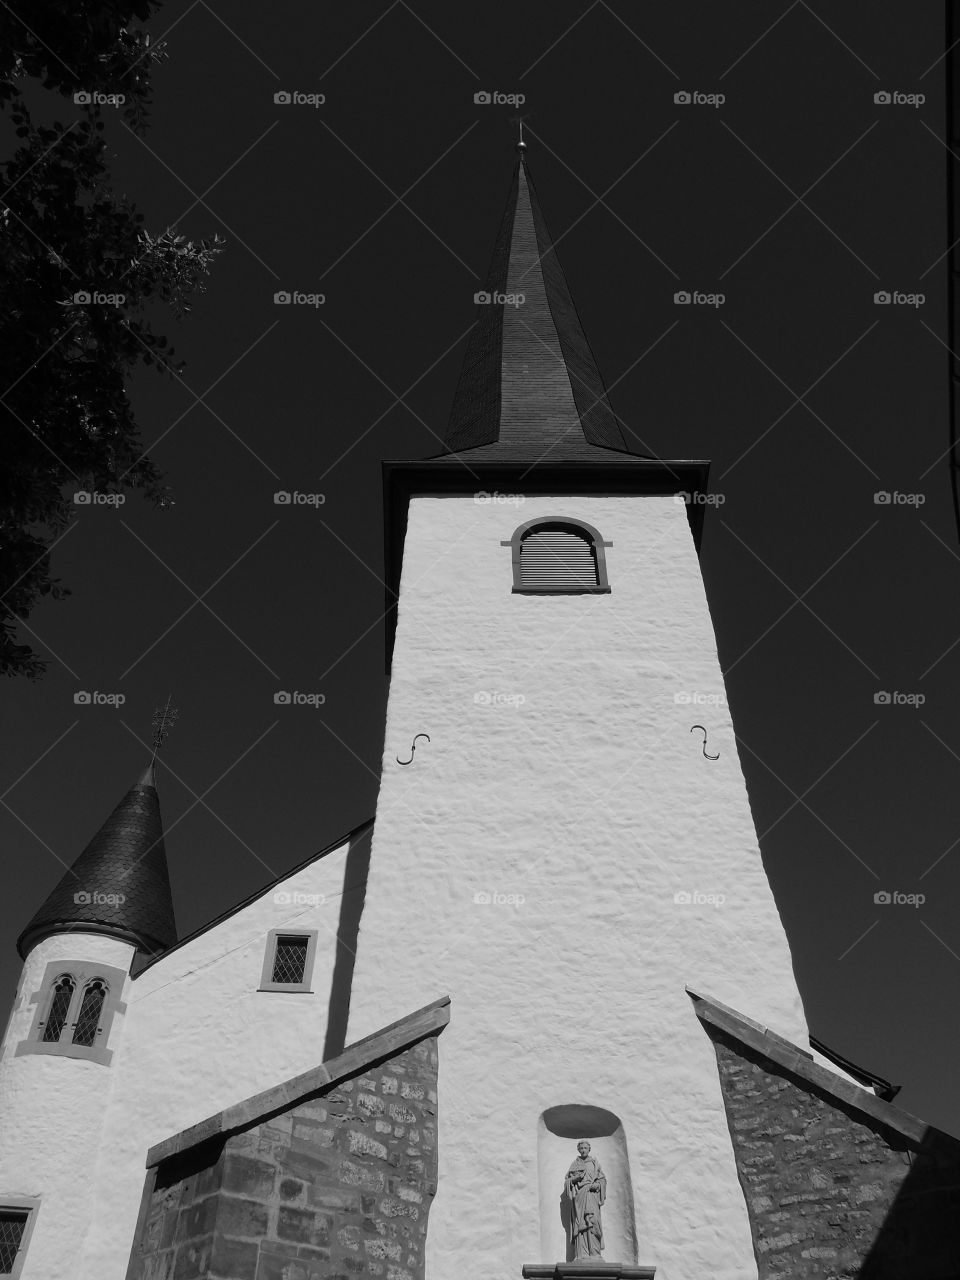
column 164, row 718
column 521, row 145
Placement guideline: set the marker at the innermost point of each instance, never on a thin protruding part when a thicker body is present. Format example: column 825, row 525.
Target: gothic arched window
column 558, row 556
column 59, row 1007
column 91, row 1006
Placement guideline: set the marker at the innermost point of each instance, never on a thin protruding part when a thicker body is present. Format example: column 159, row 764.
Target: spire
column 530, row 389
column 119, row 885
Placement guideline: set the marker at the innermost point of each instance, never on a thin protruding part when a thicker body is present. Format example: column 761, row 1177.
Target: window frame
column 21, row 1204
column 577, row 525
column 83, row 973
column 270, row 955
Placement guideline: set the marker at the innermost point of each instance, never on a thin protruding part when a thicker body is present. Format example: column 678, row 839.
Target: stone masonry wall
column 337, row 1188
column 830, row 1192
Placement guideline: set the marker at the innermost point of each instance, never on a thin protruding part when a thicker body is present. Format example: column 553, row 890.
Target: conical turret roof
column 119, row 885
column 530, row 389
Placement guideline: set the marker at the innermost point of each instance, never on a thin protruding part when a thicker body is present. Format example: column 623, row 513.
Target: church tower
column 557, row 846
column 57, row 1074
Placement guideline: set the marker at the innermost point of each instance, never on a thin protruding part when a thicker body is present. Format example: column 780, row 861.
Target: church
column 501, row 1030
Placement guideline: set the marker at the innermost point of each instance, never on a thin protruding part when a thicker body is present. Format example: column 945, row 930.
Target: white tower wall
column 592, row 802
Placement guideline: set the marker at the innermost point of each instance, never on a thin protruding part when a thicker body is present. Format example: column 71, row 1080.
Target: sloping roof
column 530, row 389
column 430, row 1020
column 789, row 1057
column 119, row 885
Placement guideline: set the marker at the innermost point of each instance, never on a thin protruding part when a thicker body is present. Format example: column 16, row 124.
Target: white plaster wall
column 52, row 1112
column 592, row 800
column 198, row 1037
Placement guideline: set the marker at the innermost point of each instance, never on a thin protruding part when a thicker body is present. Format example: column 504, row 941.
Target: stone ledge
column 598, row 1270
column 383, row 1044
column 795, row 1060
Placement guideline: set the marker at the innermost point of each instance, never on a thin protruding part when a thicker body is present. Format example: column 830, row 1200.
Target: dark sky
column 798, row 198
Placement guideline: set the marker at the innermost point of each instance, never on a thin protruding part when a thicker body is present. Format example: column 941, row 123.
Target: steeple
column 530, row 389
column 119, row 885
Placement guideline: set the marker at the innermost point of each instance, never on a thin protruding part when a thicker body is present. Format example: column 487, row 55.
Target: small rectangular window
column 13, row 1225
column 290, row 959
column 288, row 962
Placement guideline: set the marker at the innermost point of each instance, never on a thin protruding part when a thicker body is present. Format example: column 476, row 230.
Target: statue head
column 584, row 1148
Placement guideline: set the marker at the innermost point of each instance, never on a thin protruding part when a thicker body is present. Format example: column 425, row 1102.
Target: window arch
column 75, row 1008
column 58, row 1007
column 557, row 555
column 91, row 1006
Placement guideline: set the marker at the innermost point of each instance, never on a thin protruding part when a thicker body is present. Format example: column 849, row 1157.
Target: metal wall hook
column 706, row 753
column 413, row 747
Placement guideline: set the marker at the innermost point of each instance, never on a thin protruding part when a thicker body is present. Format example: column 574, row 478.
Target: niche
column 559, row 1131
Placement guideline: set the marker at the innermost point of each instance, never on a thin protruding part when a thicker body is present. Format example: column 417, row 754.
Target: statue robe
column 586, row 1187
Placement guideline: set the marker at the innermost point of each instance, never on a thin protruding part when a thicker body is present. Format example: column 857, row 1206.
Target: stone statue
column 586, row 1186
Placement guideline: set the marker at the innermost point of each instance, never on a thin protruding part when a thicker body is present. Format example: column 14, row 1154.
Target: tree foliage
column 78, row 272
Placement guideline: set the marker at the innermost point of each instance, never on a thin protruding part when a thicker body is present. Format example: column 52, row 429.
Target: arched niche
column 559, row 1131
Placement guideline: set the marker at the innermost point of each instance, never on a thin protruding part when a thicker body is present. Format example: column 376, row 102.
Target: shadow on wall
column 920, row 1235
column 355, row 875
column 559, row 1131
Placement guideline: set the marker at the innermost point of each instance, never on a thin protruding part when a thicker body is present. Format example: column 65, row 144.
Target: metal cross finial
column 521, row 145
column 164, row 718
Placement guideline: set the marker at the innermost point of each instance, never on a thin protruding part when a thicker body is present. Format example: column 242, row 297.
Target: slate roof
column 530, row 389
column 119, row 885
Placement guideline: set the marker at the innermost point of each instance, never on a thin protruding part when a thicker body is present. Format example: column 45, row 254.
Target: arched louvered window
column 60, row 998
column 91, row 1006
column 558, row 556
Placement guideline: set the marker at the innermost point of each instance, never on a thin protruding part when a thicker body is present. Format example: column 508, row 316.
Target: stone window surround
column 266, row 975
column 31, row 1205
column 596, row 540
column 83, row 973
